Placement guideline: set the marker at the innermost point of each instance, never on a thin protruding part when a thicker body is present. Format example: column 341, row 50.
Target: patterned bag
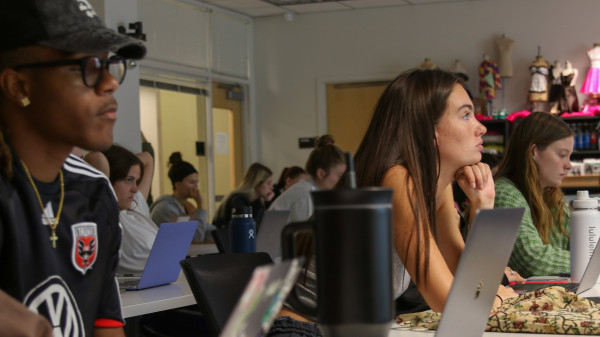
column 553, row 310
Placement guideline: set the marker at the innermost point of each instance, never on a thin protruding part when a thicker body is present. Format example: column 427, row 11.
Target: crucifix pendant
column 53, row 238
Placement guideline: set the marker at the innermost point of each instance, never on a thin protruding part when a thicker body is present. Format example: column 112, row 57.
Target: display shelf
column 496, row 136
column 587, row 180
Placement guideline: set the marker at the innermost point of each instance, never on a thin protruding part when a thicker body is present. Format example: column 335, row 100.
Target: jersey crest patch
column 85, row 246
column 53, row 300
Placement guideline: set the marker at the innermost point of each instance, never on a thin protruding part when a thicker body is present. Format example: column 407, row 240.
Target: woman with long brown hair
column 536, row 161
column 423, row 135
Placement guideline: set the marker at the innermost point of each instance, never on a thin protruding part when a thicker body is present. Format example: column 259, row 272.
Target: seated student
column 423, row 135
column 256, row 189
column 326, row 164
column 59, row 221
column 131, row 178
column 289, row 176
column 536, row 161
column 168, row 208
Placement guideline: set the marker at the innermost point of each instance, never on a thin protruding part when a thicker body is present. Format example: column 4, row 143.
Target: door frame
column 158, row 71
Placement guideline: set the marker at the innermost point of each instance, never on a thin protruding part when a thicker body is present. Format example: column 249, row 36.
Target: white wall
column 292, row 57
column 126, row 131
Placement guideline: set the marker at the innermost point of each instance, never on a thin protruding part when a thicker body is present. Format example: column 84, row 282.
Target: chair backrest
column 221, row 237
column 217, row 282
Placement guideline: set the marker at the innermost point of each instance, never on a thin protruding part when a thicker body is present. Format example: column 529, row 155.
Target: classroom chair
column 217, row 282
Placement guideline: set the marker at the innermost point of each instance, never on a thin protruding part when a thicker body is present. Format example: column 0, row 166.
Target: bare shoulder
column 394, row 176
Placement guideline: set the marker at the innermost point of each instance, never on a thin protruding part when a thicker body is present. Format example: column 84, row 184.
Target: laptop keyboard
column 130, row 284
column 594, row 299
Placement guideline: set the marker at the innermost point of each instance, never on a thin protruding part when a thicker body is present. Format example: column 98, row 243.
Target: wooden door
column 349, row 110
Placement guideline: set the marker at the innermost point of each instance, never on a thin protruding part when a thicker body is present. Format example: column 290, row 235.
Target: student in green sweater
column 536, row 161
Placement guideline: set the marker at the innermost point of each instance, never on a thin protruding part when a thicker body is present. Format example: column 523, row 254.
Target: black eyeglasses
column 91, row 68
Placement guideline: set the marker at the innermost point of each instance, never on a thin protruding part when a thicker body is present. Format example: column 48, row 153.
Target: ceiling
column 258, row 8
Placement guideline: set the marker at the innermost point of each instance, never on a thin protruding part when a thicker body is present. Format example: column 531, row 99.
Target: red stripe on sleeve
column 107, row 323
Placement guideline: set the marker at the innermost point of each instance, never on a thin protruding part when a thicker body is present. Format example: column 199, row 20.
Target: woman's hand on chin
column 478, row 184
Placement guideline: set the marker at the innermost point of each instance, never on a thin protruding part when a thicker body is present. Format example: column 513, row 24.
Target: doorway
column 173, row 119
column 227, row 105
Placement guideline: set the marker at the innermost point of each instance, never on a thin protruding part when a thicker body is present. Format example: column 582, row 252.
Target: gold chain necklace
column 53, row 226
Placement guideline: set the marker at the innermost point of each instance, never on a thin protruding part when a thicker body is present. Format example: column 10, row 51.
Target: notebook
column 479, row 272
column 262, row 299
column 162, row 267
column 588, row 279
column 268, row 238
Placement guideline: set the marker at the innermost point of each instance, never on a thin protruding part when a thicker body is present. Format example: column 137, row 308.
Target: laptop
column 268, row 238
column 262, row 299
column 479, row 272
column 162, row 267
column 221, row 238
column 588, row 279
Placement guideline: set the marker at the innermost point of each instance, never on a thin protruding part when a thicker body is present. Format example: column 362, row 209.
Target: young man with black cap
column 59, row 230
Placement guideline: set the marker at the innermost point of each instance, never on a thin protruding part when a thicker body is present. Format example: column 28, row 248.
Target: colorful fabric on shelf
column 518, row 114
column 591, row 110
column 591, row 85
column 553, row 310
column 489, row 80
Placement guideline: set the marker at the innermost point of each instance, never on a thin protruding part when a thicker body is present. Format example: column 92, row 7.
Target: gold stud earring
column 25, row 101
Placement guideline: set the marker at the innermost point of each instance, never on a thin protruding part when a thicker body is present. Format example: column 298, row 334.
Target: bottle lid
column 241, row 210
column 584, row 201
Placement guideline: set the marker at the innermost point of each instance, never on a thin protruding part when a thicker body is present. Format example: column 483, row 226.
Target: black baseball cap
column 67, row 25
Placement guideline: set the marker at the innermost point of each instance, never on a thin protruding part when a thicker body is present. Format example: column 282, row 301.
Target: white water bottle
column 585, row 230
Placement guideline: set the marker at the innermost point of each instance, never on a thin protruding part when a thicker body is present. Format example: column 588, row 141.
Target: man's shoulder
column 78, row 169
column 82, row 177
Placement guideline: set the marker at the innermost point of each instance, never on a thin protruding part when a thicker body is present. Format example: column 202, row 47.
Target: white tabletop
column 202, row 248
column 170, row 296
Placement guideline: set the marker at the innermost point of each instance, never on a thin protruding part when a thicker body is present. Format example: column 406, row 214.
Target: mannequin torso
column 538, row 91
column 504, row 46
column 427, row 65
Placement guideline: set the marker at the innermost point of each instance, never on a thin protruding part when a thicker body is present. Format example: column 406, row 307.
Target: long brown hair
column 539, row 129
column 402, row 132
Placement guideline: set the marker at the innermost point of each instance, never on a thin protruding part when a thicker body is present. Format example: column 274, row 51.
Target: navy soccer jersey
column 73, row 285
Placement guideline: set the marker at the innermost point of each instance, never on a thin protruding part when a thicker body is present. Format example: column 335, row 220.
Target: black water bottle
column 242, row 229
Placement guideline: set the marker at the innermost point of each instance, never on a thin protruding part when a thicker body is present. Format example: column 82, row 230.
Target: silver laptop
column 268, row 238
column 588, row 279
column 479, row 272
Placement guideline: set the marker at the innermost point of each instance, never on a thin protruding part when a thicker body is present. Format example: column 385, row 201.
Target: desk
column 170, row 296
column 202, row 248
